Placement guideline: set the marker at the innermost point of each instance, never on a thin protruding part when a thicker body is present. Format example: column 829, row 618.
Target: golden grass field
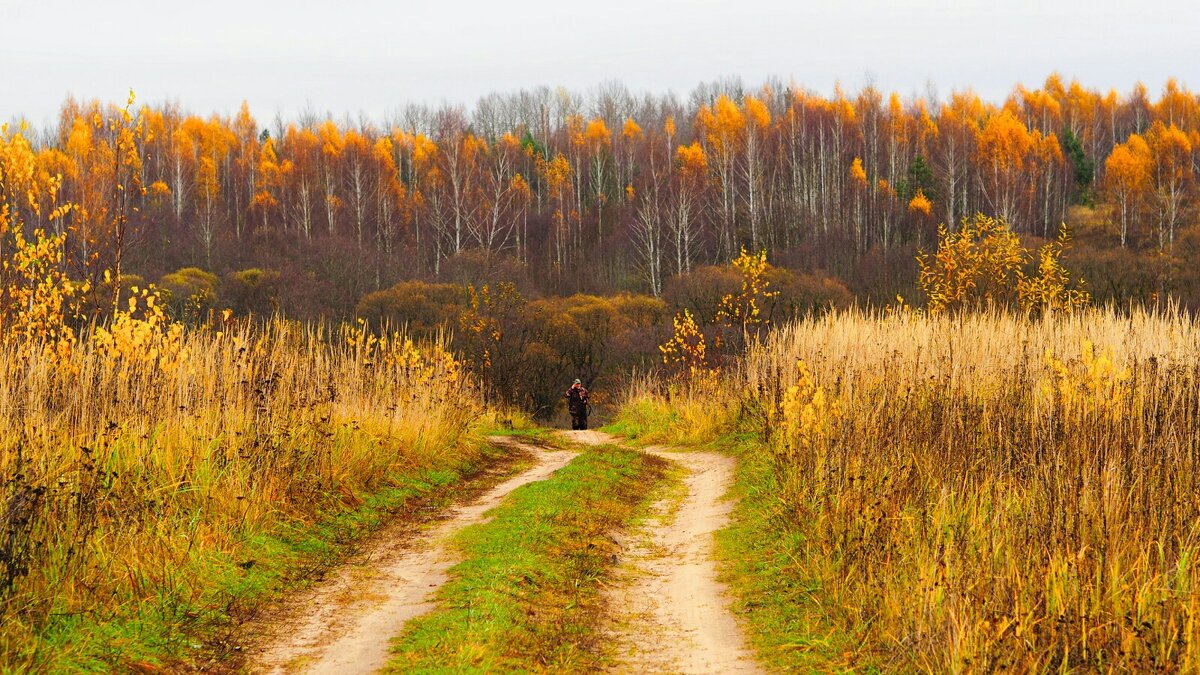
column 144, row 469
column 974, row 492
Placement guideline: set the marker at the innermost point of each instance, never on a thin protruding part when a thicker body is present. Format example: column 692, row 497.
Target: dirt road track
column 343, row 625
column 670, row 612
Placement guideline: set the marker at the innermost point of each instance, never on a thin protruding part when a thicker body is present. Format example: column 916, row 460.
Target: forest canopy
column 562, row 193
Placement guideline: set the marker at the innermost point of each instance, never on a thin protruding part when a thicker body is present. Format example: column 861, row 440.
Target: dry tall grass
column 124, row 469
column 983, row 491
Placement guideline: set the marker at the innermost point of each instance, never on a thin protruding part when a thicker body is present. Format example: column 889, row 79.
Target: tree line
column 597, row 192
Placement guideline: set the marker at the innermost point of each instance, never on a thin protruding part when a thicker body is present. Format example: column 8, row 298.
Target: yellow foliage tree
column 983, row 264
column 745, row 308
column 857, row 173
column 691, row 161
column 1127, row 176
column 687, row 351
column 631, row 130
column 920, row 203
column 556, row 175
column 1172, row 176
column 37, row 300
column 129, row 133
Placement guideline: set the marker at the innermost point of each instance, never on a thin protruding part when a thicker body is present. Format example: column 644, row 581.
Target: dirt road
column 343, row 626
column 670, row 611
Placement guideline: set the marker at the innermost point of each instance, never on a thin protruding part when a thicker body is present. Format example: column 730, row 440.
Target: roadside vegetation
column 1000, row 480
column 164, row 468
column 527, row 594
column 914, row 498
column 157, row 480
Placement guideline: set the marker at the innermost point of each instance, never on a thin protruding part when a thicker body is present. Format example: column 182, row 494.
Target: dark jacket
column 577, row 400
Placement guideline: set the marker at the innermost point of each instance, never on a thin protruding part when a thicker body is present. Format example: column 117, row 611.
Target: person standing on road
column 577, row 405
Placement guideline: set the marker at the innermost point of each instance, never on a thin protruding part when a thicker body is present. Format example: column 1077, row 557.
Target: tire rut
column 344, row 625
column 669, row 612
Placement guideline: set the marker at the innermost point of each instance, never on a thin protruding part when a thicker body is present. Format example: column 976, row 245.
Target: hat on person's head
column 577, row 381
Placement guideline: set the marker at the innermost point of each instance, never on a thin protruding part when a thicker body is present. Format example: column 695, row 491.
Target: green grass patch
column 759, row 554
column 527, row 596
column 646, row 420
column 188, row 617
column 681, row 420
column 513, row 423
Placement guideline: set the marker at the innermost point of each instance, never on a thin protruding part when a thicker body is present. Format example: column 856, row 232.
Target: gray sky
column 372, row 56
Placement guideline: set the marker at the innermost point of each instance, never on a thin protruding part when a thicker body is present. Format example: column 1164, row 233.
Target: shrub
column 799, row 294
column 704, row 291
column 424, row 308
column 983, row 265
column 252, row 291
column 189, row 293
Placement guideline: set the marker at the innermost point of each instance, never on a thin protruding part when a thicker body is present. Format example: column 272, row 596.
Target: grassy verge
column 644, row 420
column 758, row 551
column 190, row 616
column 527, row 595
column 684, row 416
column 154, row 481
column 759, row 554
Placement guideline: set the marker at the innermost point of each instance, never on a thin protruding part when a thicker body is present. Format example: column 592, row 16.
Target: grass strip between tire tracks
column 527, row 596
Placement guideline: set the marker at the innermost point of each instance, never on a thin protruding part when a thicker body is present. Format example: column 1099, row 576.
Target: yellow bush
column 808, row 415
column 141, row 334
column 1052, row 288
column 745, row 308
column 687, row 351
column 983, row 264
column 1095, row 385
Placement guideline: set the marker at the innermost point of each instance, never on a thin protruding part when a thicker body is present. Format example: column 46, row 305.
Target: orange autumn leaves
column 37, row 300
column 651, row 187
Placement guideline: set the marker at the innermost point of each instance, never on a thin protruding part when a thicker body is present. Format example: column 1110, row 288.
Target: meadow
column 156, row 482
column 966, row 492
column 997, row 476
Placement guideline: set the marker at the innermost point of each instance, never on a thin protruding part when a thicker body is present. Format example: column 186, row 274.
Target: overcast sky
column 373, row 56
